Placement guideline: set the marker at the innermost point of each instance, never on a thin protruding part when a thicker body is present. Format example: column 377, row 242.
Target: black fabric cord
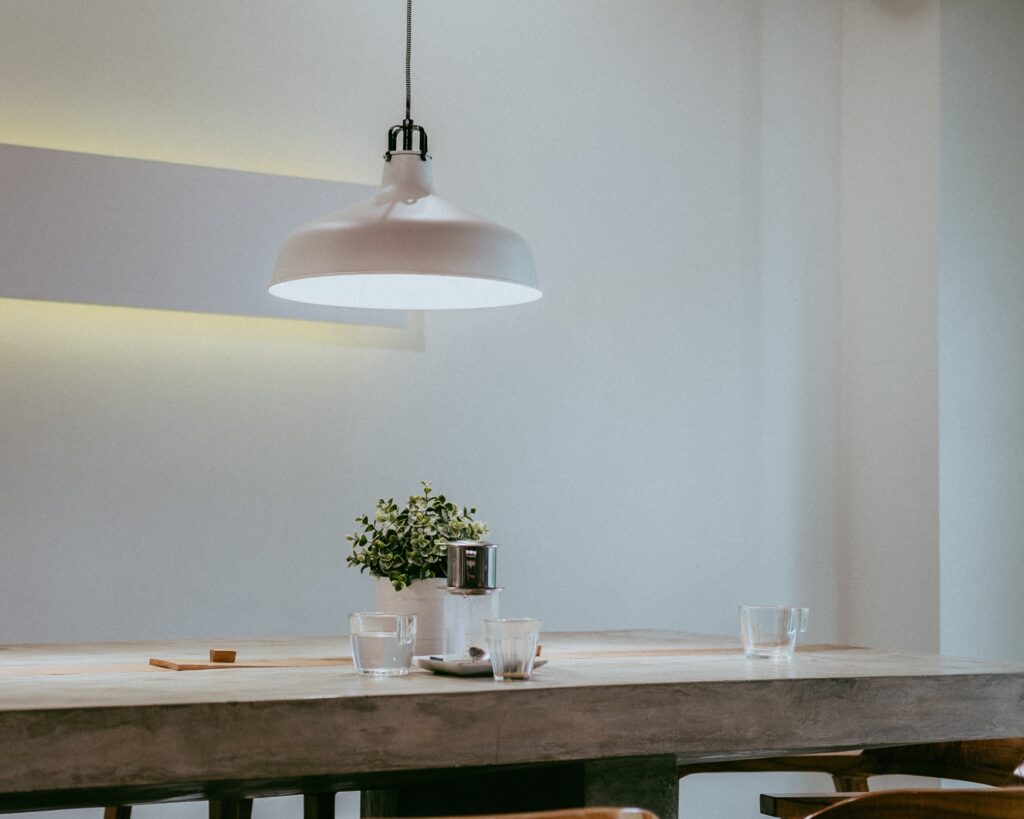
column 408, row 58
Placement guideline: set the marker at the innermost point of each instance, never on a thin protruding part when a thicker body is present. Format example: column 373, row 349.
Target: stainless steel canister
column 472, row 566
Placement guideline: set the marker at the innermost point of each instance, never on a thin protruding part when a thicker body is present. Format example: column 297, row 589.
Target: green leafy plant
column 408, row 544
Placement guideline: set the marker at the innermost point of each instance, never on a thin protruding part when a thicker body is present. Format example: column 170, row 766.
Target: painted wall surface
column 982, row 329
column 108, row 230
column 729, row 392
column 190, row 475
column 607, row 434
column 889, row 247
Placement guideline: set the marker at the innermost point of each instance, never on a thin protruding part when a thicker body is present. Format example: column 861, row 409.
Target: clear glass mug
column 770, row 631
column 382, row 643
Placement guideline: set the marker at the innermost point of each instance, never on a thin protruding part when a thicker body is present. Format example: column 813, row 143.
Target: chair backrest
column 997, row 762
column 934, row 803
column 577, row 813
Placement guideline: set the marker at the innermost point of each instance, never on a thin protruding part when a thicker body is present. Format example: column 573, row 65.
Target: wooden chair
column 321, row 806
column 933, row 803
column 576, row 813
column 998, row 762
column 315, row 806
column 219, row 809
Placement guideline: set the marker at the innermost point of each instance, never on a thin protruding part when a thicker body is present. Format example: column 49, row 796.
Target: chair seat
column 799, row 805
column 930, row 803
column 996, row 762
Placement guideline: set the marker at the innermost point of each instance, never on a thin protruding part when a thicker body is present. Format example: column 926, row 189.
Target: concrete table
column 605, row 722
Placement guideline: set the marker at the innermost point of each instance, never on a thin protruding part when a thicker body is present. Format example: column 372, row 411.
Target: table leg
column 230, row 809
column 318, row 805
column 641, row 782
column 650, row 782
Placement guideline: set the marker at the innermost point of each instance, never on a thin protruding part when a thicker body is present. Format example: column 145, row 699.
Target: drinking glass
column 770, row 631
column 382, row 643
column 512, row 644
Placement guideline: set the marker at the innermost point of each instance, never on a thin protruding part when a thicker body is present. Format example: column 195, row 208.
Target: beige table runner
column 682, row 652
column 157, row 664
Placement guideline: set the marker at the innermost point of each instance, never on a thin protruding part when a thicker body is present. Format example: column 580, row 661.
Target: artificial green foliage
column 409, row 544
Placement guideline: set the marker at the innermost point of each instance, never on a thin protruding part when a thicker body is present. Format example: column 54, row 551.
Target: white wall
column 80, row 227
column 982, row 328
column 799, row 301
column 607, row 433
column 169, row 475
column 728, row 393
column 889, row 247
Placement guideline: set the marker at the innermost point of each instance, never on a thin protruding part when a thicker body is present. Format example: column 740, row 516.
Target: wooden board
column 206, row 665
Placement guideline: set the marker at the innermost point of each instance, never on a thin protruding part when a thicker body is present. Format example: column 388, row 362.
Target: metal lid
column 472, row 566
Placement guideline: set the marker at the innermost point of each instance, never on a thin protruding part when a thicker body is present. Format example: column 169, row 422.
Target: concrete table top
column 80, row 723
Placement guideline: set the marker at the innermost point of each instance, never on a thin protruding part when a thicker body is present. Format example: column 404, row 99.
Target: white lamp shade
column 406, row 249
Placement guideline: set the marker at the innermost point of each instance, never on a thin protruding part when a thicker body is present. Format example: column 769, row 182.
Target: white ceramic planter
column 424, row 598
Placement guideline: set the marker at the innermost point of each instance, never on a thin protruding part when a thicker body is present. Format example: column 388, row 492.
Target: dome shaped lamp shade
column 406, row 249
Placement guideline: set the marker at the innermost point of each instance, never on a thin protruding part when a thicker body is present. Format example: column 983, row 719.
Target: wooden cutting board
column 205, row 665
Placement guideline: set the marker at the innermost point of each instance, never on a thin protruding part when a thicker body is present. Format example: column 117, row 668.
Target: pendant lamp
column 405, row 248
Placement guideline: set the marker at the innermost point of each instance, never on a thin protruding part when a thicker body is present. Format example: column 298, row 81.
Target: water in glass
column 382, row 644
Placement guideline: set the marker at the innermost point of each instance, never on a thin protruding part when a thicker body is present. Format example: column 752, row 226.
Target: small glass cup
column 512, row 644
column 770, row 631
column 382, row 643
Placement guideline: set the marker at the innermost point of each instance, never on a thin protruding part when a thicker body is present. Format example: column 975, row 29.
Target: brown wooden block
column 798, row 805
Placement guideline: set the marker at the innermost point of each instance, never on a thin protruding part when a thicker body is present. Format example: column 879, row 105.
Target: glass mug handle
column 800, row 619
column 406, row 628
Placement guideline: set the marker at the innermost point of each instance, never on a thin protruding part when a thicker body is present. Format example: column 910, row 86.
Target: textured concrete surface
column 131, row 729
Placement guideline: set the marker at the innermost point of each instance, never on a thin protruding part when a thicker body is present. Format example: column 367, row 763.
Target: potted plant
column 405, row 549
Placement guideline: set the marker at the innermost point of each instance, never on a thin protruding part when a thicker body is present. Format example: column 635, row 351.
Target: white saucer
column 462, row 667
